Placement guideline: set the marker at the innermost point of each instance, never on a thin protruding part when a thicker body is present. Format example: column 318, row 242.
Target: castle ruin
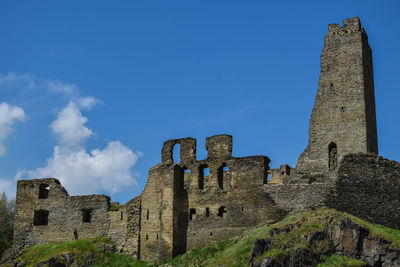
column 193, row 202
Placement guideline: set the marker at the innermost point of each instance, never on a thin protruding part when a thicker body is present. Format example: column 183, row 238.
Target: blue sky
column 91, row 89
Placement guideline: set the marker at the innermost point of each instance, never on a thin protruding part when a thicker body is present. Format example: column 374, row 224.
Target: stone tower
column 343, row 119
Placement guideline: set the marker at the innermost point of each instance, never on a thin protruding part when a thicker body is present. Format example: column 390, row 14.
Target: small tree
column 7, row 211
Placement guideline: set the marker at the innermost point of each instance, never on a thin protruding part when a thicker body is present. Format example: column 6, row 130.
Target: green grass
column 119, row 260
column 341, row 261
column 81, row 248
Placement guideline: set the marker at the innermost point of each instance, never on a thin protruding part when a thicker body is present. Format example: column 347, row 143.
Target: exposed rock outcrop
column 309, row 242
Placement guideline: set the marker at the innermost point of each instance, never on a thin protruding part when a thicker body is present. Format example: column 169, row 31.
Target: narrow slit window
column 342, row 109
column 187, row 174
column 207, row 212
column 147, row 237
column 192, row 214
column 222, row 171
column 122, row 215
column 204, row 171
column 332, row 151
column 147, row 214
column 332, row 87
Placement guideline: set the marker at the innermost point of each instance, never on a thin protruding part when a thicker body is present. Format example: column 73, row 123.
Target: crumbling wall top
column 219, row 146
column 187, row 153
column 349, row 25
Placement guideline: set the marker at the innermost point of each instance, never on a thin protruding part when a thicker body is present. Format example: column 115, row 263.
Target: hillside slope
column 322, row 237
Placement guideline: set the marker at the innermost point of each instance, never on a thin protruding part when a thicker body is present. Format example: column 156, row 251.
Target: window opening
column 44, row 191
column 87, row 215
column 122, row 216
column 157, row 236
column 75, row 234
column 207, row 212
column 147, row 237
column 147, row 214
column 221, row 211
column 342, row 109
column 242, row 209
column 332, row 156
column 187, row 174
column 204, row 171
column 211, row 234
column 192, row 213
column 40, row 217
column 176, row 153
column 332, row 87
column 221, row 174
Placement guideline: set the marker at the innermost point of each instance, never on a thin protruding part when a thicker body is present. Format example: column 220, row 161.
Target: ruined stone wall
column 45, row 212
column 343, row 119
column 131, row 245
column 368, row 186
column 183, row 206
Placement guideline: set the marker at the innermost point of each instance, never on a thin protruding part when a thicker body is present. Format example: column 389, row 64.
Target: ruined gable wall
column 58, row 216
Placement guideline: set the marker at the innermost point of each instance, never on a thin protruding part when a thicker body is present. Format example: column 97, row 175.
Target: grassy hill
column 291, row 236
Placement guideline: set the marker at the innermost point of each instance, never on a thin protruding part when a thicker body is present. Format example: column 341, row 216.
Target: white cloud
column 83, row 172
column 70, row 128
column 9, row 116
column 29, row 83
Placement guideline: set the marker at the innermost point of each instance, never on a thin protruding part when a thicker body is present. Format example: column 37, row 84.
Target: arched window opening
column 332, row 156
column 44, row 191
column 332, row 87
column 176, row 153
column 204, row 171
column 222, row 171
column 192, row 214
column 221, row 211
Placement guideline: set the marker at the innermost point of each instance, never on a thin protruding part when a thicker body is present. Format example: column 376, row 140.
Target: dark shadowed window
column 203, row 172
column 192, row 213
column 332, row 156
column 41, row 217
column 221, row 211
column 222, row 171
column 44, row 191
column 87, row 215
column 332, row 87
column 147, row 214
column 207, row 212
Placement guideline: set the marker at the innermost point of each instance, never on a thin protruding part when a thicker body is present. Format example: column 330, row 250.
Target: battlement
column 349, row 25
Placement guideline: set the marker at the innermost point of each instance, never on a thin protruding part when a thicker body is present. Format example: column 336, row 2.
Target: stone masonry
column 193, row 202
